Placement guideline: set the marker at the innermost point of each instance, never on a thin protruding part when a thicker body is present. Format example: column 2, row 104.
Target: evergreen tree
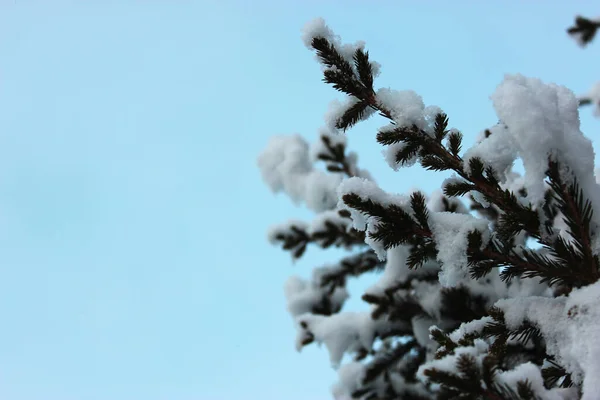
column 494, row 300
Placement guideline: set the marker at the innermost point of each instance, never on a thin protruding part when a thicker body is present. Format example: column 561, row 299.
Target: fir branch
column 394, row 227
column 467, row 383
column 420, row 253
column 440, row 126
column 383, row 362
column 584, row 29
column 419, row 207
column 417, row 141
column 363, row 66
column 352, row 266
column 531, row 264
column 577, row 212
column 352, row 116
column 555, row 375
column 433, row 163
column 336, row 157
column 296, row 239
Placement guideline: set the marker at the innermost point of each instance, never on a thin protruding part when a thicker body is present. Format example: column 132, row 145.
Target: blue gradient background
column 133, row 259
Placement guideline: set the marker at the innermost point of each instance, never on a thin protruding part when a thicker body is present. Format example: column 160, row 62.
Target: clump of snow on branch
column 593, row 95
column 466, row 328
column 286, row 167
column 331, row 216
column 367, row 189
column 285, row 228
column 338, row 108
column 448, row 363
column 407, row 109
column 436, row 203
column 396, row 270
column 533, row 375
column 317, row 28
column 450, row 231
column 336, row 138
column 340, row 333
column 319, row 147
column 302, row 295
column 350, row 376
column 570, row 328
column 543, row 120
column 497, row 151
column 405, row 106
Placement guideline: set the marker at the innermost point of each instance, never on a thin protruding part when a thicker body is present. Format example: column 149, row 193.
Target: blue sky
column 133, row 257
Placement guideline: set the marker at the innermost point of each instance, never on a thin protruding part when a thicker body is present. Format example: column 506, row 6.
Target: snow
column 420, row 326
column 450, row 231
column 479, row 198
column 319, row 147
column 570, row 328
column 337, row 109
column 448, row 363
column 319, row 189
column 389, row 155
column 405, row 106
column 286, row 167
column 318, row 224
column 594, row 96
column 407, row 109
column 396, row 270
column 429, row 297
column 285, row 228
column 435, row 202
column 543, row 120
column 367, row 189
column 532, row 373
column 528, row 287
column 497, row 151
column 352, row 160
column 466, row 328
column 302, row 296
column 336, row 138
column 331, row 216
column 318, row 28
column 341, row 333
column 349, row 378
column 283, row 156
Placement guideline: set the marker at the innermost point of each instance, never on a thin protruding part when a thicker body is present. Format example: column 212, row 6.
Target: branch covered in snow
column 495, row 301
